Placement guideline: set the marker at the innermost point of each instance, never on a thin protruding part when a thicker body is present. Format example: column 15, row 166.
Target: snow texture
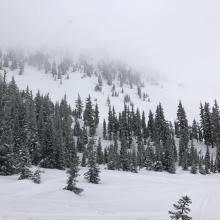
column 120, row 196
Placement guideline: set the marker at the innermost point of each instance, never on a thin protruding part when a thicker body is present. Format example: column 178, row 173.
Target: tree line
column 36, row 131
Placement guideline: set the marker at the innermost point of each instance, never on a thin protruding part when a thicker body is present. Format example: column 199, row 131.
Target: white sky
column 176, row 38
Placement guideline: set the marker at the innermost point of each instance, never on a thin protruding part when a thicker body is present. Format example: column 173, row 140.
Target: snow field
column 120, row 195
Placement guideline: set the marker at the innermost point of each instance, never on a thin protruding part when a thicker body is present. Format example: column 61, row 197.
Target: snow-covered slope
column 167, row 93
column 120, row 196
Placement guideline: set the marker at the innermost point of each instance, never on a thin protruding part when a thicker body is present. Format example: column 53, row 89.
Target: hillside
column 146, row 162
column 168, row 93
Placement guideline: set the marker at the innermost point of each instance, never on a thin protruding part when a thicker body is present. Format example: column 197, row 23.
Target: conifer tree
column 149, row 158
column 79, row 107
column 77, row 129
column 168, row 158
column 215, row 121
column 213, row 165
column 92, row 175
column 200, row 134
column 105, row 156
column 112, row 157
column 73, row 174
column 84, row 135
column 184, row 136
column 96, row 116
column 140, row 152
column 195, row 130
column 83, row 161
column 201, row 169
column 145, row 131
column 133, row 166
column 88, row 114
column 207, row 125
column 160, row 124
column 99, row 152
column 36, row 178
column 21, row 68
column 24, row 164
column 207, row 161
column 7, row 166
column 104, row 130
column 139, row 92
column 150, row 126
column 194, row 168
column 124, row 158
column 92, row 127
column 110, row 124
column 181, row 209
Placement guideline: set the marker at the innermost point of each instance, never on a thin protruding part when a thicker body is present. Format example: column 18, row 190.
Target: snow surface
column 120, row 196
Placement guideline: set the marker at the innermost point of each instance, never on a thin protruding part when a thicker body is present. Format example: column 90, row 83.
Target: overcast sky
column 179, row 39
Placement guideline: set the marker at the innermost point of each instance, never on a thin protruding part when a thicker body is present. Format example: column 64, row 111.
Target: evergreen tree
column 77, row 129
column 83, row 161
column 79, row 107
column 110, row 124
column 181, row 209
column 88, row 112
column 140, row 152
column 145, row 131
column 84, row 135
column 133, row 166
column 124, row 158
column 24, row 164
column 36, row 178
column 207, row 125
column 21, row 68
column 195, row 130
column 194, row 168
column 96, row 116
column 54, row 69
column 104, row 130
column 32, row 138
column 139, row 92
column 58, row 140
column 48, row 153
column 207, row 161
column 112, row 159
column 201, row 169
column 168, row 158
column 215, row 121
column 200, row 134
column 92, row 175
column 184, row 136
column 212, row 165
column 160, row 124
column 73, row 174
column 218, row 155
column 99, row 152
column 7, row 166
column 149, row 158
